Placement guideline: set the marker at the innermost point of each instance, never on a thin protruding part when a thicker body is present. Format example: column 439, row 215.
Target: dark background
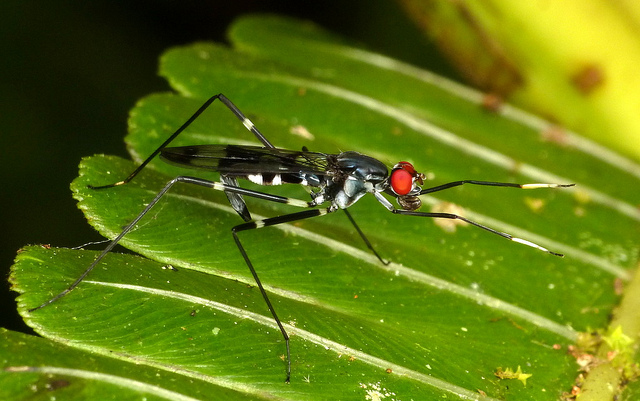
column 71, row 70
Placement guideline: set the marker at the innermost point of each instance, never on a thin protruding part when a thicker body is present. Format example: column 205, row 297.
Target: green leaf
column 437, row 322
column 39, row 369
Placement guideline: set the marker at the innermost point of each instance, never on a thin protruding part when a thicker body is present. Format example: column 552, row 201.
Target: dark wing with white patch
column 243, row 161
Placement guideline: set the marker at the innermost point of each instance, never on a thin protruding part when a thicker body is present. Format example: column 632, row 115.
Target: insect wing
column 244, row 161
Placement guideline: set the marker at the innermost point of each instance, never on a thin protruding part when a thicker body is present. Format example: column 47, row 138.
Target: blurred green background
column 71, row 70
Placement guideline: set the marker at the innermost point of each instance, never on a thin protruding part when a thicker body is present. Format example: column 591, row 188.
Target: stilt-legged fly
column 338, row 180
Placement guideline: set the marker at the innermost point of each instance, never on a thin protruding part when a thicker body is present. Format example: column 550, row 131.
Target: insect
column 338, row 180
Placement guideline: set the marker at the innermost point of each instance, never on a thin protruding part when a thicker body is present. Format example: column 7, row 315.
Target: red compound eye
column 401, row 181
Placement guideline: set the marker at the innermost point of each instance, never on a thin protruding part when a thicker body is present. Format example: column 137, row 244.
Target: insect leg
column 364, row 238
column 491, row 184
column 236, row 201
column 245, row 121
column 489, row 229
column 190, row 180
column 265, row 223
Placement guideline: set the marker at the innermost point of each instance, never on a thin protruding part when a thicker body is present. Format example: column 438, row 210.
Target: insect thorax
column 352, row 176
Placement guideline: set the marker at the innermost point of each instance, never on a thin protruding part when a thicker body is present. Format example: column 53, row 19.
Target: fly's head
column 405, row 184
